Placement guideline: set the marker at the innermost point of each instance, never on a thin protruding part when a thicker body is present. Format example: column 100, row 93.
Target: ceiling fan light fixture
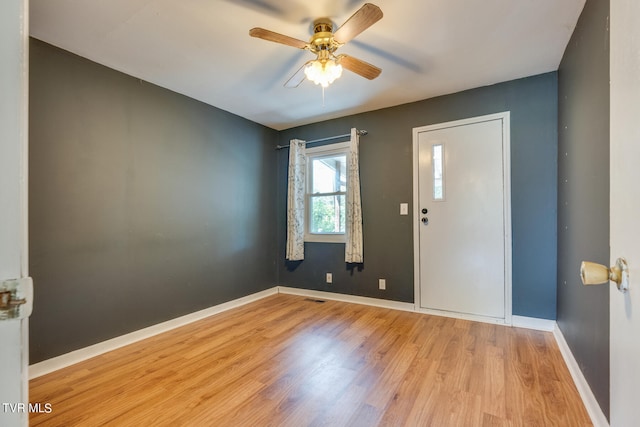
column 323, row 73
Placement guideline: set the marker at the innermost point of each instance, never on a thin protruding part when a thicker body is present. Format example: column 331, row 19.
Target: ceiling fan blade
column 298, row 77
column 365, row 17
column 272, row 36
column 359, row 67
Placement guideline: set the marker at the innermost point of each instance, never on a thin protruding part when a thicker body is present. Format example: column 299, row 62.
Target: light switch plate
column 404, row 208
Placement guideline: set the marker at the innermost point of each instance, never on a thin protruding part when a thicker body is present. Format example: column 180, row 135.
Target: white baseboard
column 517, row 321
column 68, row 359
column 375, row 302
column 591, row 404
column 533, row 323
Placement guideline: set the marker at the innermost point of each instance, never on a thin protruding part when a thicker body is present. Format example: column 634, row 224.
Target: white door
column 461, row 188
column 625, row 210
column 13, row 262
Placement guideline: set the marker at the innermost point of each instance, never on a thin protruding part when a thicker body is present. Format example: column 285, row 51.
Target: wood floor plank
column 493, row 394
column 289, row 361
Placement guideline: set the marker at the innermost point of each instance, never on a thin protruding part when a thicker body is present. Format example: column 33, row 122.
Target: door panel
column 625, row 210
column 13, row 214
column 462, row 250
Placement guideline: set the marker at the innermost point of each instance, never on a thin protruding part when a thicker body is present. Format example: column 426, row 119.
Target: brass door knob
column 593, row 273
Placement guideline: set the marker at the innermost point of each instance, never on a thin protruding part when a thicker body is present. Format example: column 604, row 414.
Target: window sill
column 326, row 238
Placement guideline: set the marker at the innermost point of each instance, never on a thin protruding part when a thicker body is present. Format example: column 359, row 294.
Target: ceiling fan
column 323, row 43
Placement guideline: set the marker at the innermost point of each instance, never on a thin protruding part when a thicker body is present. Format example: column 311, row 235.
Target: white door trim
column 506, row 162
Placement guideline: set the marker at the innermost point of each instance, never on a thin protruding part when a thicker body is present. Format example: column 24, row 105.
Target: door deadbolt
column 425, row 211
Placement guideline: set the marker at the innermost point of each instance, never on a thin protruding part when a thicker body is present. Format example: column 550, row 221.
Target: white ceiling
column 202, row 49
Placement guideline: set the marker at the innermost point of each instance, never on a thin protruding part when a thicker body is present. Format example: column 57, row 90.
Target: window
column 438, row 171
column 326, row 195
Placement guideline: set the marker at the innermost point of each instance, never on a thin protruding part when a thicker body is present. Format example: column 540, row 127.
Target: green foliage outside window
column 328, row 214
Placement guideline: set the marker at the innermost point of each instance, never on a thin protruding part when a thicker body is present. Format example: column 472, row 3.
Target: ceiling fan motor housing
column 322, row 25
column 322, row 39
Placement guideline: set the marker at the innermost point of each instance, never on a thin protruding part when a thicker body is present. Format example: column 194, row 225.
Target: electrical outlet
column 329, row 278
column 382, row 283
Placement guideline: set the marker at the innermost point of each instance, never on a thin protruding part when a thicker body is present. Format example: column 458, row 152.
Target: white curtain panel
column 353, row 247
column 295, row 200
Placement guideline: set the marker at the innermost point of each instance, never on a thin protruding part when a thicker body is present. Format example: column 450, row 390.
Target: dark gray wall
column 387, row 181
column 144, row 204
column 583, row 194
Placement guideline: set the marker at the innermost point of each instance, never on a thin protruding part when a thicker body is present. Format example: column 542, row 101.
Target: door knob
column 8, row 301
column 425, row 220
column 16, row 298
column 592, row 273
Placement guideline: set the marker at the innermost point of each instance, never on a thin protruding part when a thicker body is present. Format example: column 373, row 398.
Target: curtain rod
column 329, row 138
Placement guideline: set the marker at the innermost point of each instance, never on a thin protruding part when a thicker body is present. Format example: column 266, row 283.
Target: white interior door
column 625, row 210
column 463, row 217
column 13, row 194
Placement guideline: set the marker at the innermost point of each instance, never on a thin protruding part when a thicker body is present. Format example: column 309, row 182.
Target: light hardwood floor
column 289, row 361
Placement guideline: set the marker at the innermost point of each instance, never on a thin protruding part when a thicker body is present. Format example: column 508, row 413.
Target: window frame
column 328, row 150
